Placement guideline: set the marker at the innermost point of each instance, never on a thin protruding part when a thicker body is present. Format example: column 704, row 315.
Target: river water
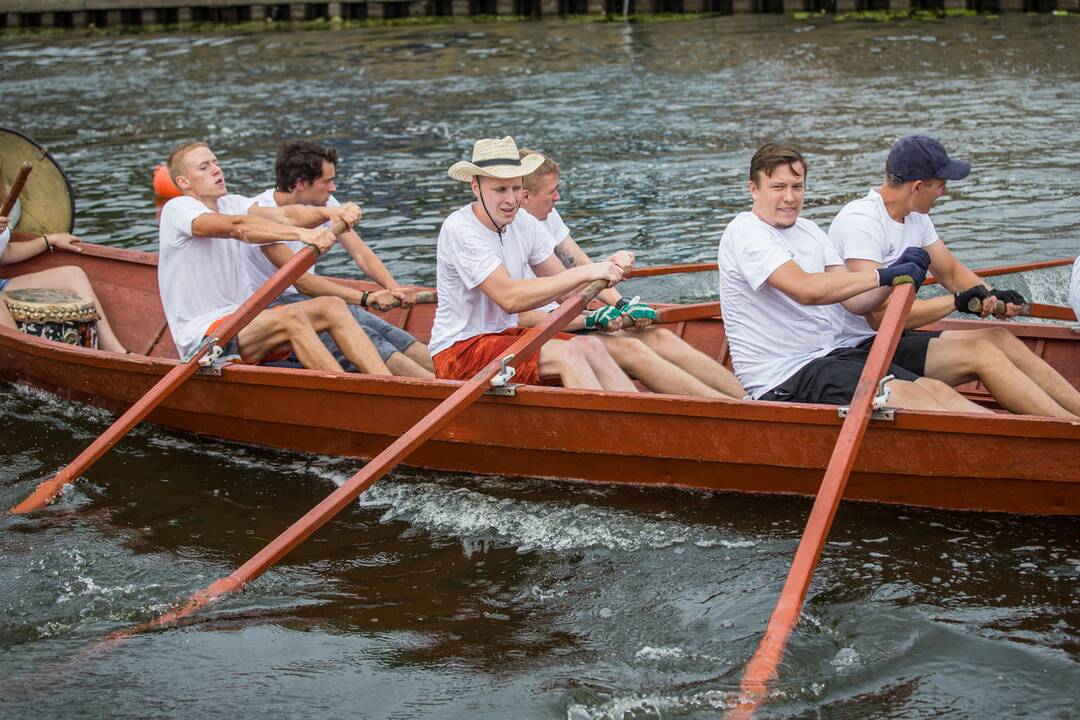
column 452, row 596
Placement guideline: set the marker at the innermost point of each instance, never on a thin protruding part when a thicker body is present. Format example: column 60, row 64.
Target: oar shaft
column 762, row 666
column 16, row 188
column 526, row 346
column 168, row 384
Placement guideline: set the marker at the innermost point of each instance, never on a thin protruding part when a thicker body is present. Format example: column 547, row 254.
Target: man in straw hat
column 485, row 251
column 874, row 230
column 305, row 176
column 203, row 273
column 781, row 282
column 657, row 357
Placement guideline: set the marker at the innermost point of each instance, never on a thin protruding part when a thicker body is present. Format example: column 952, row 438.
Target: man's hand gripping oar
column 526, row 346
column 164, row 387
column 762, row 667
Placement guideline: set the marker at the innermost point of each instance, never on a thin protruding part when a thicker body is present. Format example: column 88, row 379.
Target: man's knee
column 934, row 387
column 589, row 348
column 292, row 320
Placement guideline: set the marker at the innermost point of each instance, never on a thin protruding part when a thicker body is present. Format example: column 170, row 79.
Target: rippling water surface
column 457, row 596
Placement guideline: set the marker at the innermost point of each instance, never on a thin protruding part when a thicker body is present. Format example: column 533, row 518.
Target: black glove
column 962, row 300
column 899, row 273
column 915, row 255
column 1010, row 297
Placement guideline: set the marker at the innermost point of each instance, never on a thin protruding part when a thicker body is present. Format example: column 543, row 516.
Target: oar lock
column 878, row 408
column 500, row 383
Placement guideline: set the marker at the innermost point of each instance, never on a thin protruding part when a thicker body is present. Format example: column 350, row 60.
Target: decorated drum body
column 56, row 315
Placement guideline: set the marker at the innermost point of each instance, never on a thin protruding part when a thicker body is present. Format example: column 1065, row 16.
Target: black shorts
column 831, row 379
column 910, row 351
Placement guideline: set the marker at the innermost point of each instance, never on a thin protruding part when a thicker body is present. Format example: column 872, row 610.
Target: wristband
column 363, row 298
column 48, row 245
column 622, row 303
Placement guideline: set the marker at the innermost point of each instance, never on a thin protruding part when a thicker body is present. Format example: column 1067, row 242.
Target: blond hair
column 548, row 167
column 176, row 157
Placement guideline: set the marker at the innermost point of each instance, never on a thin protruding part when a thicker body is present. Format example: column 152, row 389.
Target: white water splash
column 532, row 525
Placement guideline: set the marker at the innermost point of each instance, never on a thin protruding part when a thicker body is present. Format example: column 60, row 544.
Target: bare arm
column 571, row 255
column 253, row 229
column 19, row 250
column 310, row 283
column 922, row 312
column 532, row 318
column 824, row 288
column 953, row 275
column 366, row 259
column 515, row 296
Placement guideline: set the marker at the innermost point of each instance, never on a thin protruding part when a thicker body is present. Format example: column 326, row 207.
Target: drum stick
column 16, row 188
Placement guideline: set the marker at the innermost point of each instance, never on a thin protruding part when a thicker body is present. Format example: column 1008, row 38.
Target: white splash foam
column 658, row 653
column 632, row 706
column 529, row 524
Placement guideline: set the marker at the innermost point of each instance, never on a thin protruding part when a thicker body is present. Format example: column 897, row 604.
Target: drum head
column 48, row 205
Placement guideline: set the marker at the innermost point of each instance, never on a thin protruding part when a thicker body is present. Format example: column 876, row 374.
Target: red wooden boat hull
column 1003, row 463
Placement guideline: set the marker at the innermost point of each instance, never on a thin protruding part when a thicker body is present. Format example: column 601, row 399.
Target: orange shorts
column 465, row 358
column 270, row 357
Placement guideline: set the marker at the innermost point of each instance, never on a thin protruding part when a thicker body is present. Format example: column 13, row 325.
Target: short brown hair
column 176, row 157
column 771, row 156
column 548, row 167
column 301, row 160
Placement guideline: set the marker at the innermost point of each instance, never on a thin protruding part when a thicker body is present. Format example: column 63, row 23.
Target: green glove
column 600, row 318
column 636, row 310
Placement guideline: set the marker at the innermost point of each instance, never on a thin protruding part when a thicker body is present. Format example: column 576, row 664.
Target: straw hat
column 496, row 159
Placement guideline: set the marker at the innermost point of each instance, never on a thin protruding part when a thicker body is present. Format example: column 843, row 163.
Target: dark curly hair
column 301, row 160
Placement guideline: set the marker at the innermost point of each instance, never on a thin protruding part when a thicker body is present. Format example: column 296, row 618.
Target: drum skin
column 48, row 205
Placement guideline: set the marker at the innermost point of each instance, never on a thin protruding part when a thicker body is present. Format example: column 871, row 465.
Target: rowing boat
column 1000, row 463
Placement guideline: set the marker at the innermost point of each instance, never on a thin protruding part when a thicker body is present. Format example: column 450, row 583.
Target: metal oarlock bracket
column 500, row 384
column 878, row 409
column 208, row 363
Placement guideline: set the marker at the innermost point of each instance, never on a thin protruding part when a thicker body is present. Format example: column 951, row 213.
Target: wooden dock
column 78, row 14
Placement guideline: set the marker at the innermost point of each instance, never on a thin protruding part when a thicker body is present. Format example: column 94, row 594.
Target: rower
column 485, row 249
column 874, row 230
column 305, row 176
column 780, row 280
column 68, row 277
column 659, row 358
column 203, row 273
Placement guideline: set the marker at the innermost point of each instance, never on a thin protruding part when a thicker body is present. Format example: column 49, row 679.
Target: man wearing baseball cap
column 874, row 230
column 484, row 251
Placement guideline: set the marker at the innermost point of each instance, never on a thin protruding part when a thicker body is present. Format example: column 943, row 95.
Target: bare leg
column 285, row 325
column 1027, row 362
column 565, row 359
column 911, row 396
column 659, row 375
column 677, row 351
column 72, row 278
column 607, row 371
column 955, row 361
column 418, row 352
column 403, row 365
column 948, row 398
column 332, row 314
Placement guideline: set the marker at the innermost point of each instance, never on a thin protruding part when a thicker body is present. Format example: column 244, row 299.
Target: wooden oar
column 164, row 387
column 16, row 189
column 762, row 666
column 525, row 347
column 704, row 311
column 985, row 272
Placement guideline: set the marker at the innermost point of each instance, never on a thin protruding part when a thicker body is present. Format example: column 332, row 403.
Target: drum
column 57, row 315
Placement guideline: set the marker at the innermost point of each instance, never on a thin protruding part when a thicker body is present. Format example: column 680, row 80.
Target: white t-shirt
column 200, row 279
column 771, row 335
column 864, row 230
column 5, row 237
column 1074, row 288
column 261, row 267
column 467, row 254
column 555, row 225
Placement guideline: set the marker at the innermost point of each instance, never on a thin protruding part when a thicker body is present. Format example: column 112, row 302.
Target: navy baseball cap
column 918, row 157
